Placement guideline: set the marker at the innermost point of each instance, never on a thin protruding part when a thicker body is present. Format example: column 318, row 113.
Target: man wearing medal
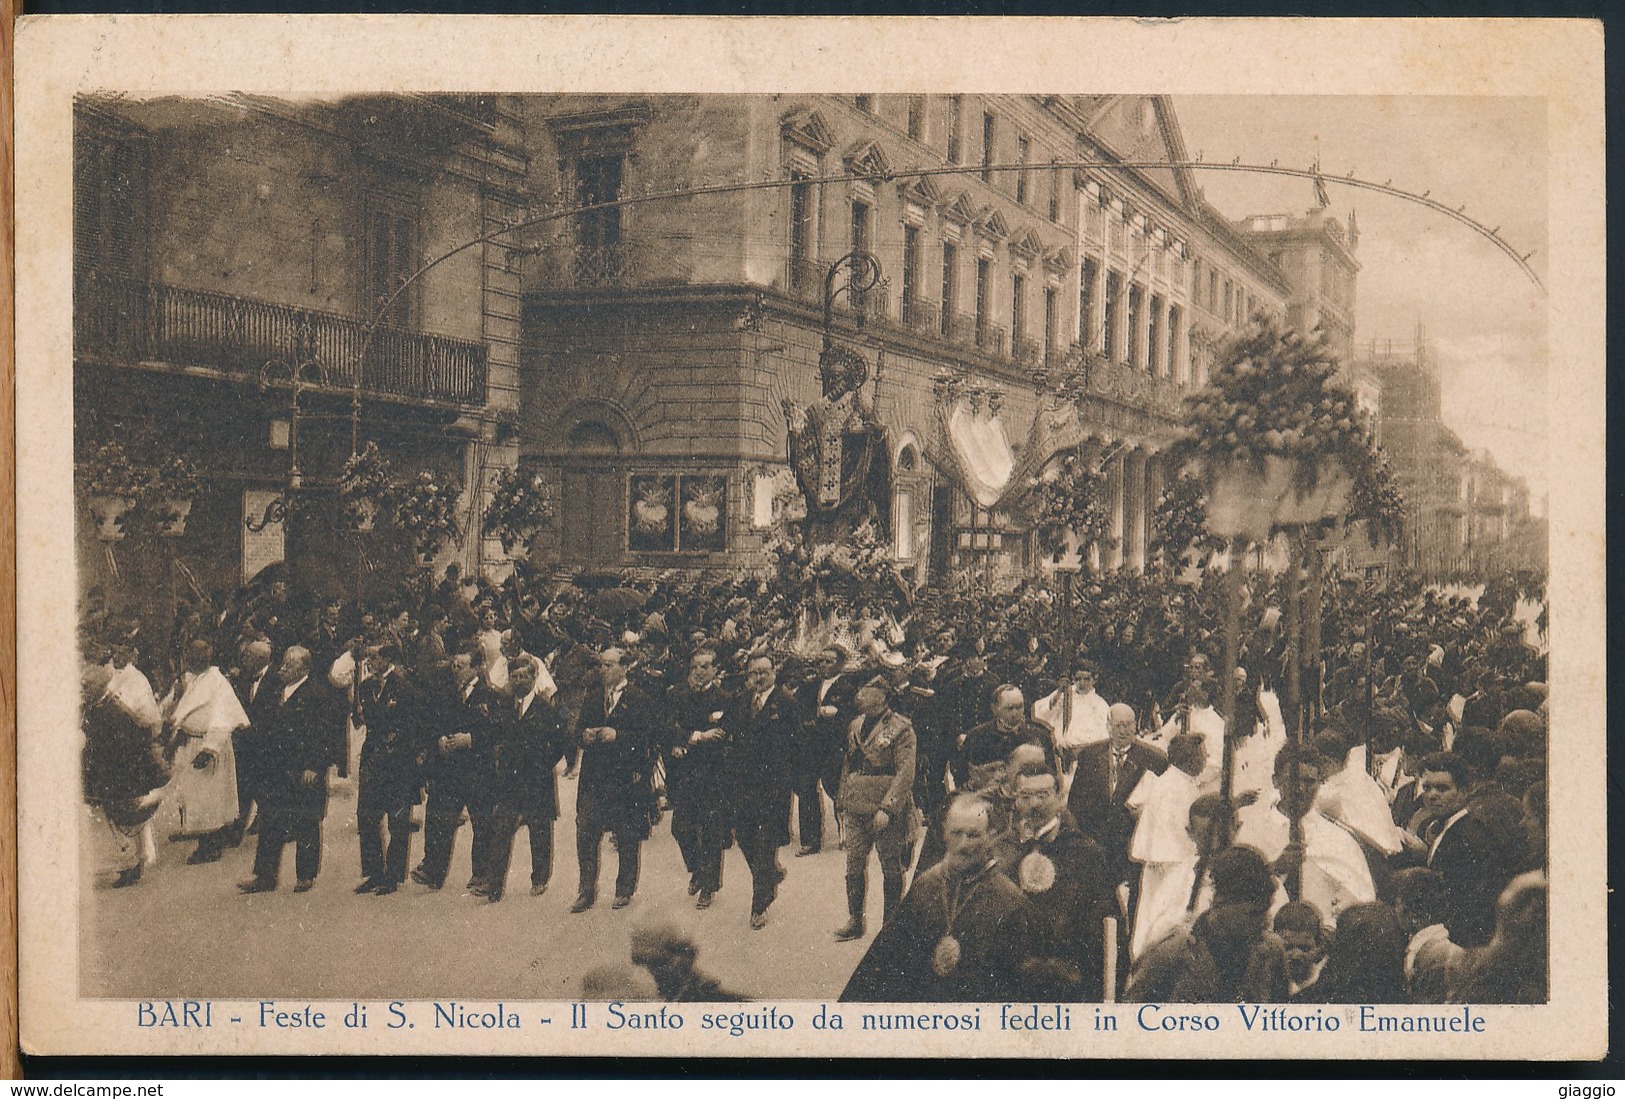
column 1064, row 877
column 963, row 933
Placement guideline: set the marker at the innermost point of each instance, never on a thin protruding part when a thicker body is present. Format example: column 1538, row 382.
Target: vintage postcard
column 840, row 537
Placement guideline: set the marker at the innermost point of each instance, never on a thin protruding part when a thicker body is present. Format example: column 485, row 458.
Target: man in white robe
column 1163, row 845
column 1077, row 716
column 1199, row 718
column 1336, row 875
column 200, row 714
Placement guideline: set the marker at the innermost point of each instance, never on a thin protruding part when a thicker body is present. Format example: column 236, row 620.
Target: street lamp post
column 277, row 510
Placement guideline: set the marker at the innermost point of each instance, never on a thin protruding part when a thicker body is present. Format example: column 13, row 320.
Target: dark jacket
column 1098, row 805
column 524, row 753
column 759, row 752
column 986, row 744
column 293, row 737
column 399, row 728
column 1477, row 863
column 699, row 776
column 615, row 775
column 1069, row 898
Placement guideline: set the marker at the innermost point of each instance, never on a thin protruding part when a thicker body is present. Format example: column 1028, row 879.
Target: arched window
column 593, row 438
column 908, row 459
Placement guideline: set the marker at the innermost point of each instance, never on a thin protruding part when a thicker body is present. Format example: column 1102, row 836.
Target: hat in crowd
column 880, row 683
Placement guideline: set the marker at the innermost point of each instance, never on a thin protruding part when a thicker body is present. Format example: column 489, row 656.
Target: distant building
column 1467, row 515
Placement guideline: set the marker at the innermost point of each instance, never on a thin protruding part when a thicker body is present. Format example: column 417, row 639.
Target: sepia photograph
column 1025, row 562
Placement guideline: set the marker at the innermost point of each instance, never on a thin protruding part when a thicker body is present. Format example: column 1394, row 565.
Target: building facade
column 662, row 338
column 638, row 351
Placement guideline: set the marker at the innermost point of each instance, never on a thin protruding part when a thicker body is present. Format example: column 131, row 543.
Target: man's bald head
column 1120, row 722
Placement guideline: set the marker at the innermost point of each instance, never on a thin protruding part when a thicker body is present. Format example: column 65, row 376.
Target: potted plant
column 426, row 509
column 176, row 485
column 518, row 509
column 112, row 485
column 364, row 487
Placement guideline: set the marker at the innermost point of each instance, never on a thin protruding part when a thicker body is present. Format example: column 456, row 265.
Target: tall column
column 1155, row 482
column 1115, row 496
column 1134, row 511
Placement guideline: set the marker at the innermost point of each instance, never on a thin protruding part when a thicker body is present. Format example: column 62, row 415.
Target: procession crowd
column 1058, row 806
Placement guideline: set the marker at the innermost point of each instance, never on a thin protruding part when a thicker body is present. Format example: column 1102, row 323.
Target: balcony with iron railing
column 125, row 321
column 919, row 315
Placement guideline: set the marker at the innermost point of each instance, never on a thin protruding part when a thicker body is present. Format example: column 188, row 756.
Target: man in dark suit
column 1466, row 848
column 614, row 732
column 990, row 744
column 529, row 735
column 290, row 728
column 761, row 729
column 697, row 780
column 458, row 773
column 1107, row 774
column 826, row 708
column 259, row 690
column 391, row 781
column 1063, row 874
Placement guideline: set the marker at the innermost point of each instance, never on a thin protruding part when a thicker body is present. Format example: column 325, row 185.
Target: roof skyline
column 1485, row 321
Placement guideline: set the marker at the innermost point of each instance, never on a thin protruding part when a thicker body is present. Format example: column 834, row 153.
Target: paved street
column 185, row 931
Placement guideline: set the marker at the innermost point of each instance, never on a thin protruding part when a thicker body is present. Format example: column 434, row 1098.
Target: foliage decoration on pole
column 1179, row 526
column 364, row 487
column 426, row 509
column 1068, row 503
column 520, row 506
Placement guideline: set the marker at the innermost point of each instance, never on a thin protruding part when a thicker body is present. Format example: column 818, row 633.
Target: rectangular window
column 988, row 136
column 1228, row 307
column 1055, row 186
column 860, row 242
column 1176, row 369
column 864, row 103
column 956, row 138
column 1086, row 302
column 860, row 227
column 598, row 232
column 1050, row 321
column 1109, row 341
column 1131, row 348
column 1153, row 338
column 1018, row 310
column 916, row 117
column 950, row 285
column 802, row 208
column 109, row 203
column 911, row 273
column 1023, row 149
column 391, row 260
column 984, row 272
column 1213, row 292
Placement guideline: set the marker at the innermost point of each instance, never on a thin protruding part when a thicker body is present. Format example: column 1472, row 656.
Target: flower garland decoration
column 1274, row 393
column 520, row 506
column 848, row 572
column 364, row 486
column 426, row 509
column 1069, row 498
